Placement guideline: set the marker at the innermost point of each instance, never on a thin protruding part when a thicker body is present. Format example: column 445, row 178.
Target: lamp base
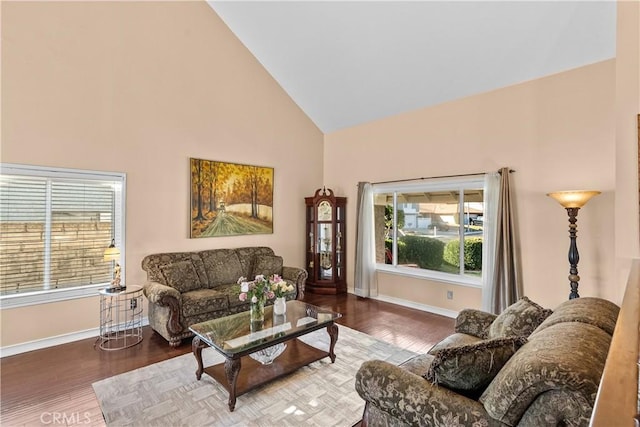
column 574, row 256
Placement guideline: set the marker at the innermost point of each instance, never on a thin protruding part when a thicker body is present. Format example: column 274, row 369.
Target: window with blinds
column 54, row 227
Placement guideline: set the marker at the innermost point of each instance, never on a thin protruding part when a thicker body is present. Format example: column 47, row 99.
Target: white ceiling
column 347, row 63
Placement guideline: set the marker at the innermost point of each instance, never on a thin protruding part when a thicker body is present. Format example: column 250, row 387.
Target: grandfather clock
column 326, row 243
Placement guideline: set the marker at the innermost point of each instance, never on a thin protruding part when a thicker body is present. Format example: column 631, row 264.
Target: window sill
column 430, row 275
column 54, row 295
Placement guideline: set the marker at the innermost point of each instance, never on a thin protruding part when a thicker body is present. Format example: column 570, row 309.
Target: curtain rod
column 436, row 177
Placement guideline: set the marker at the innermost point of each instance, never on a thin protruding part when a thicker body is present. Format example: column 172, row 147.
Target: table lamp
column 113, row 254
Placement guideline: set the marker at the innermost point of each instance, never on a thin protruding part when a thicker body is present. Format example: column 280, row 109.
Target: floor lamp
column 572, row 201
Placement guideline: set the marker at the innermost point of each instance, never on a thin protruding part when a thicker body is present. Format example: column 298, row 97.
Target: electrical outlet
column 133, row 304
column 449, row 294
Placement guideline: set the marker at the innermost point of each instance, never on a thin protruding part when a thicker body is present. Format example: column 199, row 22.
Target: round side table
column 120, row 318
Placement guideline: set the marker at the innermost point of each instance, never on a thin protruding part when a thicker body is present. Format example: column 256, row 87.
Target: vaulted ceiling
column 348, row 63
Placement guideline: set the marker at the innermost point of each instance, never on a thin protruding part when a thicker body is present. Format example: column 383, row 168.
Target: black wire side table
column 120, row 318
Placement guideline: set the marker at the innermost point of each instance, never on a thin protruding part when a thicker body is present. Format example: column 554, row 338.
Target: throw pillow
column 181, row 276
column 267, row 265
column 223, row 267
column 519, row 319
column 470, row 368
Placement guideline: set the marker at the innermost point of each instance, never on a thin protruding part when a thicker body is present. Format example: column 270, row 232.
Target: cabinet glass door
column 325, row 251
column 339, row 252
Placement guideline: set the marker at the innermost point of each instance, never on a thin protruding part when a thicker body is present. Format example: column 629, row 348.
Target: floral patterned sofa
column 525, row 367
column 184, row 288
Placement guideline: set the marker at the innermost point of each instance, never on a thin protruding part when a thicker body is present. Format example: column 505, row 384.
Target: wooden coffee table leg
column 196, row 347
column 332, row 329
column 231, row 369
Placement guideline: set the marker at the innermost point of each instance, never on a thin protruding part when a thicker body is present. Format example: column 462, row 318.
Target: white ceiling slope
column 347, row 63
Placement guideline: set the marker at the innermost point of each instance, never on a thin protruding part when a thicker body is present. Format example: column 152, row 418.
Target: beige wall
column 627, row 108
column 426, row 294
column 49, row 320
column 573, row 130
column 558, row 133
column 139, row 88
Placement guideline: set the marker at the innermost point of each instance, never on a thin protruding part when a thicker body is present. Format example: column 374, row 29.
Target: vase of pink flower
column 257, row 314
column 257, row 292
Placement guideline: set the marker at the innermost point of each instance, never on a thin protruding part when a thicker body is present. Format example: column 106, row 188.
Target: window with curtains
column 431, row 228
column 54, row 227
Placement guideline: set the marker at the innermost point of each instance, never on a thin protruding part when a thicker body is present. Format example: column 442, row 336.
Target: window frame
column 429, row 185
column 80, row 291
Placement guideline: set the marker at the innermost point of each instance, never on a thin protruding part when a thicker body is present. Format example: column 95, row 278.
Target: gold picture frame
column 230, row 199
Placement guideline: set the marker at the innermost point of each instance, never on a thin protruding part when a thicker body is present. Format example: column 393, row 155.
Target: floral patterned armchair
column 525, row 367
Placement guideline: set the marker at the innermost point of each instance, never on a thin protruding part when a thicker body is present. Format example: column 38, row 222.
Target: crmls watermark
column 65, row 418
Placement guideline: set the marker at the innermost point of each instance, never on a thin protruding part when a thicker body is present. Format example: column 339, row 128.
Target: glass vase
column 280, row 306
column 257, row 314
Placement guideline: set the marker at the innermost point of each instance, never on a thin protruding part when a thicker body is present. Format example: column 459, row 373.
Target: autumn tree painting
column 230, row 199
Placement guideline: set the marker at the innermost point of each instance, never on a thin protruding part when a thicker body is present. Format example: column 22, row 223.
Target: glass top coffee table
column 265, row 353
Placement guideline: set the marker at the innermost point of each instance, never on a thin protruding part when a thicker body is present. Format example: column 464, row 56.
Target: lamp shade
column 112, row 253
column 573, row 199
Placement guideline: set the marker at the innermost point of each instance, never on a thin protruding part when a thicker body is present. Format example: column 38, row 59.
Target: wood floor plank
column 56, row 381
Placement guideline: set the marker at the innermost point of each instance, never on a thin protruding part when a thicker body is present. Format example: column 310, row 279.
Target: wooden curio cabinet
column 326, row 243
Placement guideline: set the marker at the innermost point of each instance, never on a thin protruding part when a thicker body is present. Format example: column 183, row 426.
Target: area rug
column 320, row 394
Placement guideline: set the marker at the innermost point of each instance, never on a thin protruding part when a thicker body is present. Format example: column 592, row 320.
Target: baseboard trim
column 12, row 350
column 423, row 307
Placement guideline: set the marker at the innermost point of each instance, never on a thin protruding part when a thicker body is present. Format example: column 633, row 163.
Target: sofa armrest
column 474, row 322
column 413, row 400
column 166, row 296
column 297, row 276
column 158, row 293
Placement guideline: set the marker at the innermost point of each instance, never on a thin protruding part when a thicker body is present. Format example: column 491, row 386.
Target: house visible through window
column 431, row 228
column 54, row 227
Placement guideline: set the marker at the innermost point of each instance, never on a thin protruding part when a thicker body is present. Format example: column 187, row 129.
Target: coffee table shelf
column 254, row 374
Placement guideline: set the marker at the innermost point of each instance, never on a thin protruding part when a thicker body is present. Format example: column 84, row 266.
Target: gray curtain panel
column 507, row 275
column 365, row 285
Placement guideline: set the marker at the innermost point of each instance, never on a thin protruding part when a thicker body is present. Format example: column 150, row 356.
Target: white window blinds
column 54, row 227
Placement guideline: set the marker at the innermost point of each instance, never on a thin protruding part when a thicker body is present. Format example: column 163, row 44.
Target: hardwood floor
column 52, row 386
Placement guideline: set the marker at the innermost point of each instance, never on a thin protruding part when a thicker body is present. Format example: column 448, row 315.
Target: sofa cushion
column 181, row 275
column 474, row 322
column 267, row 265
column 470, row 368
column 567, row 356
column 248, row 254
column 519, row 319
column 594, row 311
column 418, row 364
column 223, row 267
column 453, row 340
column 151, row 264
column 203, row 301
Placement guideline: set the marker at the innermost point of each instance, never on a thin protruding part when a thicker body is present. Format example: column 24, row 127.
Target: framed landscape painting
column 230, row 199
